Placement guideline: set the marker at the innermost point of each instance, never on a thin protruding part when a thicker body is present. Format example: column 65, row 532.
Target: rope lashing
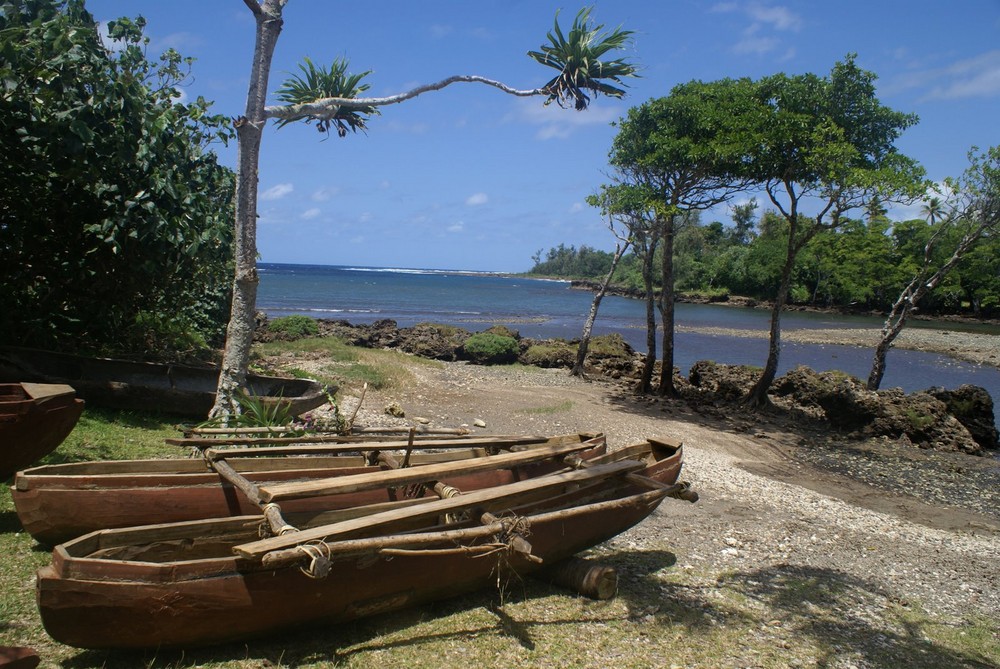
column 319, row 560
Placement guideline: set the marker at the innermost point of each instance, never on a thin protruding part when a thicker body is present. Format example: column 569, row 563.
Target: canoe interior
column 125, row 384
column 199, row 544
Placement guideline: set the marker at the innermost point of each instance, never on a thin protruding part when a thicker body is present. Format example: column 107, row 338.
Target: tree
column 107, row 188
column 824, row 140
column 670, row 146
column 976, row 213
column 609, row 207
column 578, row 57
column 933, row 209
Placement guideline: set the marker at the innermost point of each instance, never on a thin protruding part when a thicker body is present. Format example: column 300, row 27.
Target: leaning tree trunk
column 667, row 388
column 758, row 394
column 646, row 378
column 588, row 326
column 249, row 129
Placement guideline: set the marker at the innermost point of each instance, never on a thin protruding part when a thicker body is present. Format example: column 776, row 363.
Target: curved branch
column 330, row 107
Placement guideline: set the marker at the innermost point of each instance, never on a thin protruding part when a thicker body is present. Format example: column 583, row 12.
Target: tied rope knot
column 319, row 560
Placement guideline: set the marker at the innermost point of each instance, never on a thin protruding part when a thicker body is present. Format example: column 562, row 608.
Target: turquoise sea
column 540, row 308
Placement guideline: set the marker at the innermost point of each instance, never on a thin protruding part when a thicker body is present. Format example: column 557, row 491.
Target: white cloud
column 755, row 45
column 974, row 77
column 324, row 194
column 763, row 19
column 277, row 192
column 559, row 123
column 457, row 227
column 978, row 76
column 477, row 199
column 779, row 18
column 439, row 31
column 312, row 213
column 576, row 207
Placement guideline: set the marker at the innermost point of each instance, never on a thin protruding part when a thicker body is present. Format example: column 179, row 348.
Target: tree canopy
column 114, row 214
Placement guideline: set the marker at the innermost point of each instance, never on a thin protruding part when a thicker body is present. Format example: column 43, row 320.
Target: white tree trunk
column 249, row 129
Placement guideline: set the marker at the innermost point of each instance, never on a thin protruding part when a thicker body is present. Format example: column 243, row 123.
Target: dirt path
column 762, row 509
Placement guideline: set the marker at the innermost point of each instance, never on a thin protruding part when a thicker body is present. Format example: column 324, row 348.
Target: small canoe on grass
column 183, row 390
column 34, row 419
column 205, row 582
column 58, row 502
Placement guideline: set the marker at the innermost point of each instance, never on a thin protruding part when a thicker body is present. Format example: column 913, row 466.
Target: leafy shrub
column 294, row 327
column 550, row 353
column 486, row 348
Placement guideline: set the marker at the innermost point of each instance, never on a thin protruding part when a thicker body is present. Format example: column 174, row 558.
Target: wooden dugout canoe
column 34, row 419
column 58, row 502
column 183, row 390
column 205, row 582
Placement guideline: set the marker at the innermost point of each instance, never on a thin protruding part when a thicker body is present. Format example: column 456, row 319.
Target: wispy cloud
column 324, row 194
column 310, row 214
column 758, row 36
column 477, row 199
column 277, row 192
column 978, row 76
column 456, row 227
column 440, row 31
column 558, row 123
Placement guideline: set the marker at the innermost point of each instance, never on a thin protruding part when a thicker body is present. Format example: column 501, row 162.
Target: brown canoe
column 213, row 581
column 183, row 390
column 34, row 419
column 58, row 502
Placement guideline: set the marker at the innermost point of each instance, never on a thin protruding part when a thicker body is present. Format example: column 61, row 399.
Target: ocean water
column 542, row 309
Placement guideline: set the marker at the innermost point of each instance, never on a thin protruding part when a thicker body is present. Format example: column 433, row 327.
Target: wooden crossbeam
column 279, row 492
column 490, row 498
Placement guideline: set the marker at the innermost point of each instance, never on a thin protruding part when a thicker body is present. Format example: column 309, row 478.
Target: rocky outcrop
column 973, row 407
column 729, row 382
column 960, row 420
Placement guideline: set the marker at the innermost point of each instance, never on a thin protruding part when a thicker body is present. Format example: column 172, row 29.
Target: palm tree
column 933, row 209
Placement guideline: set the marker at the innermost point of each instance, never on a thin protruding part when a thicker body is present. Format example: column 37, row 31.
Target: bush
column 486, row 348
column 294, row 327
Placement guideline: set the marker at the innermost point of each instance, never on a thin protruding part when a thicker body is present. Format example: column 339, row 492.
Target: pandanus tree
column 332, row 99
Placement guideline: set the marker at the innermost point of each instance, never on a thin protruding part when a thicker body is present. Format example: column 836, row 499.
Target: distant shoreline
column 977, row 348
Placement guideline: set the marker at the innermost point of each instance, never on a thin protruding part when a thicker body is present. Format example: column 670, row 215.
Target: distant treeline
column 861, row 266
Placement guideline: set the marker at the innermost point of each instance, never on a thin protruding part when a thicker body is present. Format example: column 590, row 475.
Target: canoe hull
column 34, row 419
column 56, row 503
column 181, row 390
column 146, row 605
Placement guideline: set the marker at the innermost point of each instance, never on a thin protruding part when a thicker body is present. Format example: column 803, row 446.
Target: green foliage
column 254, row 412
column 578, row 57
column 295, row 326
column 570, row 262
column 111, row 205
column 317, row 83
column 551, row 353
column 486, row 348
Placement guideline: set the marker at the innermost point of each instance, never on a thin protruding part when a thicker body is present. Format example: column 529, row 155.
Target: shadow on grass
column 821, row 612
column 9, row 522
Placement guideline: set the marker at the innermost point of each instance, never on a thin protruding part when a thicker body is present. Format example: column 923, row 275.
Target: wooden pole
column 585, row 577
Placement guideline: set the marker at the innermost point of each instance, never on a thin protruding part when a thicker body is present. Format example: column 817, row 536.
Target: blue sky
column 471, row 178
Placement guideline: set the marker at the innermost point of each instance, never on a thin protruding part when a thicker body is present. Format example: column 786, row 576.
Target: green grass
column 342, row 365
column 548, row 410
